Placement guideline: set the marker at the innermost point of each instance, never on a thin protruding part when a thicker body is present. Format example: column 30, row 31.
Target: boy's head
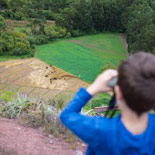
column 136, row 81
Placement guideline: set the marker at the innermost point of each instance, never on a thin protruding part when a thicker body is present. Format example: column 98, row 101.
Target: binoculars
column 113, row 101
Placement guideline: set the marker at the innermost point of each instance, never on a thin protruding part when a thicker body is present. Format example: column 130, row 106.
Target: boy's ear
column 118, row 92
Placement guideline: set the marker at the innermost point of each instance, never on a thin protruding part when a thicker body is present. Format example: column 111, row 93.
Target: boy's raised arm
column 83, row 126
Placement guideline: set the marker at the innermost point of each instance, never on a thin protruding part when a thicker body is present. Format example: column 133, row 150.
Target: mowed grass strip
column 84, row 56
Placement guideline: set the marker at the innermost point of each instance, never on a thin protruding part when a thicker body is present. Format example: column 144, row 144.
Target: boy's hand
column 101, row 82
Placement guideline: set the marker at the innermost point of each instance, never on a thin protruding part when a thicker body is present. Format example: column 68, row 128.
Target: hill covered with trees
column 75, row 18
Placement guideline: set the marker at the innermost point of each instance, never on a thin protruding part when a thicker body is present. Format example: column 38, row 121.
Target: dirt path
column 16, row 139
column 123, row 38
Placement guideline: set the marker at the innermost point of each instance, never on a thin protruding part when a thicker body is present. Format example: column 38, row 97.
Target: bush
column 16, row 43
column 51, row 33
column 41, row 39
column 76, row 33
column 2, row 24
column 68, row 35
column 32, row 42
column 54, row 32
column 48, row 14
column 92, row 31
column 19, row 16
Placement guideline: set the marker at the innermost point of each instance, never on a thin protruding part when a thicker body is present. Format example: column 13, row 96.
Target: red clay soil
column 16, row 139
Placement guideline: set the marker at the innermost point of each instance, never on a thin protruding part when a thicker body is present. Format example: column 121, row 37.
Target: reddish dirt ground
column 16, row 139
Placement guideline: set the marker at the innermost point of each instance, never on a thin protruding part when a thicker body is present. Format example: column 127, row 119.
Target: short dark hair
column 137, row 82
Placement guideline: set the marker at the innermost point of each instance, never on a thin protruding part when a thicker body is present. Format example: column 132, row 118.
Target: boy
column 133, row 131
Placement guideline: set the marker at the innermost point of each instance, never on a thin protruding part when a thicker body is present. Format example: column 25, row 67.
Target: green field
column 84, row 56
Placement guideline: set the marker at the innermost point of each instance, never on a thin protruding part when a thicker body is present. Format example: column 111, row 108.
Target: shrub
column 2, row 24
column 19, row 15
column 61, row 32
column 76, row 33
column 32, row 42
column 48, row 14
column 68, row 35
column 41, row 39
column 53, row 32
column 16, row 43
column 92, row 31
column 1, row 46
column 50, row 33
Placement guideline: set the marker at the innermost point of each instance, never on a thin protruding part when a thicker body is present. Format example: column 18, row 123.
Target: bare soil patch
column 35, row 73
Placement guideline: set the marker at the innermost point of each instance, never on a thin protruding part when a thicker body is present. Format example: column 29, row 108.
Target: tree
column 36, row 24
column 58, row 5
column 139, row 35
column 66, row 18
column 2, row 24
column 83, row 19
column 3, row 4
column 97, row 13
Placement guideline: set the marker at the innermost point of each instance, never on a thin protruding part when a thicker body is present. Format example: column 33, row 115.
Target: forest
column 73, row 18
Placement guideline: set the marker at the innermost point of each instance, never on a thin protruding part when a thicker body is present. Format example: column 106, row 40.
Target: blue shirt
column 106, row 136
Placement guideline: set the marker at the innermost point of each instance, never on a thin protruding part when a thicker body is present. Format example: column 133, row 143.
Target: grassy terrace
column 84, row 56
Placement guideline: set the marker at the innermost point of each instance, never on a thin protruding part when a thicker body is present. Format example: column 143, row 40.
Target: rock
column 78, row 152
column 50, row 136
column 51, row 141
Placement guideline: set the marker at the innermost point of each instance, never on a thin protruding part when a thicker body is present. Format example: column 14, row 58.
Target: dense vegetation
column 84, row 56
column 136, row 18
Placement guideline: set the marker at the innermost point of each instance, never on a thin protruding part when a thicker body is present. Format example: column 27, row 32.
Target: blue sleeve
column 86, row 128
